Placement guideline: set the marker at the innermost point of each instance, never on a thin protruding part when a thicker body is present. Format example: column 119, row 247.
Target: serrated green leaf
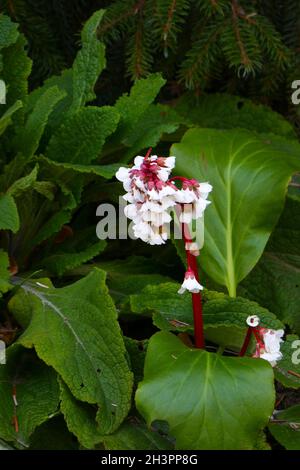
column 286, row 427
column 46, row 188
column 52, row 226
column 24, row 183
column 80, row 418
column 133, row 435
column 223, row 111
column 275, row 280
column 37, row 395
column 6, row 120
column 53, row 435
column 209, row 401
column 148, row 130
column 133, row 105
column 81, row 137
column 9, row 217
column 21, row 305
column 89, row 63
column 17, row 68
column 240, row 166
column 74, row 329
column 137, row 352
column 28, row 138
column 64, row 83
column 59, row 263
column 8, row 31
column 287, row 370
column 105, row 171
column 173, row 311
column 4, row 272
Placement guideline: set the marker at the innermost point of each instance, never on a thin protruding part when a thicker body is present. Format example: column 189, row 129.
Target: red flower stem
column 196, row 298
column 148, row 153
column 179, row 178
column 246, row 342
column 258, row 338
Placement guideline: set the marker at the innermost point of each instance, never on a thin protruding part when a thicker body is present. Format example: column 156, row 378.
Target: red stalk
column 196, row 298
column 246, row 342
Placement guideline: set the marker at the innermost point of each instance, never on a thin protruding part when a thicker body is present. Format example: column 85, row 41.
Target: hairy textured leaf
column 74, row 329
column 17, row 68
column 59, row 263
column 80, row 418
column 80, row 138
column 171, row 308
column 9, row 217
column 209, row 401
column 275, row 280
column 53, row 435
column 132, row 106
column 241, row 166
column 151, row 125
column 222, row 111
column 6, row 119
column 105, row 171
column 8, row 31
column 89, row 63
column 64, row 82
column 28, row 138
column 35, row 383
column 24, row 183
column 52, row 226
column 4, row 272
column 287, row 428
column 133, row 435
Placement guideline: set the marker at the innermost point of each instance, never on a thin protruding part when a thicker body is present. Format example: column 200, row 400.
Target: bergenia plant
column 151, row 194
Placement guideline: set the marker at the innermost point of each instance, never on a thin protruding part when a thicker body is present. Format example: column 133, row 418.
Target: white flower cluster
column 151, row 195
column 268, row 347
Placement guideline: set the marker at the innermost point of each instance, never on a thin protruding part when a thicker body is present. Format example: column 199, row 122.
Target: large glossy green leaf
column 209, row 401
column 9, row 217
column 223, row 111
column 89, row 63
column 285, row 427
column 37, row 395
column 74, row 329
column 250, row 178
column 80, row 138
column 275, row 280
